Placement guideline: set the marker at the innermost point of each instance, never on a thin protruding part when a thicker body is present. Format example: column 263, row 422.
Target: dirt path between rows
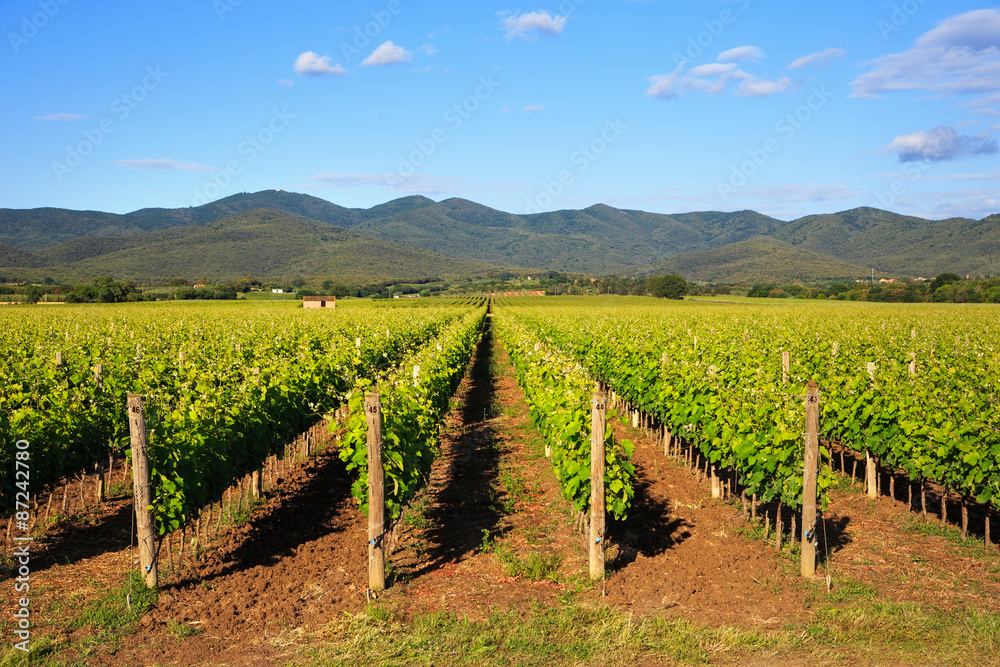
column 492, row 533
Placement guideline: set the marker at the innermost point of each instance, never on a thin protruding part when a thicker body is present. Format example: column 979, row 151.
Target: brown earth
column 491, row 509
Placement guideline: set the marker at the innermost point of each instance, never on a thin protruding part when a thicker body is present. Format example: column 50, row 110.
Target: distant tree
column 33, row 293
column 670, row 286
column 944, row 279
column 760, row 291
column 49, row 280
column 178, row 282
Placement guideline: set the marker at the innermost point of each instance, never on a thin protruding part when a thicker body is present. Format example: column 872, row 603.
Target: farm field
column 488, row 565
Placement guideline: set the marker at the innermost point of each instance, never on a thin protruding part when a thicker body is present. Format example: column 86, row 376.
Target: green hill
column 263, row 242
column 10, row 256
column 597, row 240
column 758, row 260
column 899, row 243
column 600, row 239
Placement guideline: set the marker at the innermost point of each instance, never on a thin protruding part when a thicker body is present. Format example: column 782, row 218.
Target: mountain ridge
column 598, row 240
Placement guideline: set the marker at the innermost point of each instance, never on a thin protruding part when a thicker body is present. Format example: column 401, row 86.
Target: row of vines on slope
column 414, row 401
column 224, row 386
column 713, row 375
column 558, row 392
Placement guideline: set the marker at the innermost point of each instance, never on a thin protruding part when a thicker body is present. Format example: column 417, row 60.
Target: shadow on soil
column 466, row 506
column 74, row 538
column 294, row 517
column 649, row 529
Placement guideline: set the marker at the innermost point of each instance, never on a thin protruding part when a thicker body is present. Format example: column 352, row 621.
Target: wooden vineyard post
column 100, row 487
column 257, row 483
column 716, row 484
column 376, row 494
column 599, row 407
column 142, row 491
column 871, row 481
column 809, row 475
column 786, row 366
column 913, row 363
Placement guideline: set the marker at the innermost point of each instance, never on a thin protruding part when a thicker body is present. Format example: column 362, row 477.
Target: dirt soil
column 492, row 500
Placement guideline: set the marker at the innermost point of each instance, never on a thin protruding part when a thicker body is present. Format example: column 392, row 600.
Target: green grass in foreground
column 867, row 633
column 108, row 617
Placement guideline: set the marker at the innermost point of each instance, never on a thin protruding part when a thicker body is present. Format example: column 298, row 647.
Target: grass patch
column 515, row 489
column 182, row 630
column 41, row 652
column 565, row 635
column 536, row 567
column 117, row 608
column 581, row 634
column 848, row 590
column 914, row 524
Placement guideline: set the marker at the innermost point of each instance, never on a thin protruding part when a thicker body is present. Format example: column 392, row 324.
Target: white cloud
column 940, row 144
column 387, row 54
column 429, row 49
column 424, row 70
column 741, row 54
column 713, row 79
column 412, row 184
column 162, row 164
column 534, row 108
column 991, row 175
column 339, row 179
column 988, row 105
column 763, row 88
column 803, row 193
column 313, row 64
column 287, row 83
column 975, row 203
column 722, row 70
column 818, row 59
column 523, row 25
column 959, row 56
column 61, row 116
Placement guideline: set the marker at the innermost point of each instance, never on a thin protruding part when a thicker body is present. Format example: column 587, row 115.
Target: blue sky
column 666, row 106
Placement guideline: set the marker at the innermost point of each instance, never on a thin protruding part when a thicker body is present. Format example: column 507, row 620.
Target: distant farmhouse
column 319, row 302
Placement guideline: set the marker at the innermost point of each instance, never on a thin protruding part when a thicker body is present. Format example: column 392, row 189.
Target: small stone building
column 319, row 302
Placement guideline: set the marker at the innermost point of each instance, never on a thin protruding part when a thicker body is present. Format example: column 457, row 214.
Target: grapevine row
column 714, row 376
column 558, row 393
column 224, row 387
column 414, row 401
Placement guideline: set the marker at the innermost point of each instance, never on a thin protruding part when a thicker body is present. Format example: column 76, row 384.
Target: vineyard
column 700, row 445
column 917, row 394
